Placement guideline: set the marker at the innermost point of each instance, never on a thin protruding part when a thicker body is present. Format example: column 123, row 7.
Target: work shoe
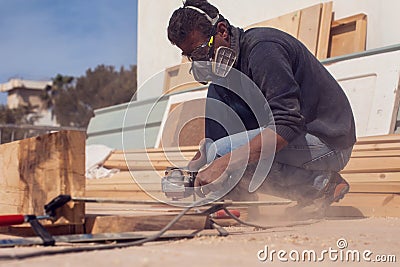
column 335, row 189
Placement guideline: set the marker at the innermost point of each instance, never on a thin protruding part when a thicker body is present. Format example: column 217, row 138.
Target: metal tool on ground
column 33, row 220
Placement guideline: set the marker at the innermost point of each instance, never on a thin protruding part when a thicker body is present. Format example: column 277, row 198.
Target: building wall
column 20, row 97
column 155, row 53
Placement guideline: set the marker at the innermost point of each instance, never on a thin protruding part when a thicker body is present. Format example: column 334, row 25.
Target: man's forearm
column 262, row 146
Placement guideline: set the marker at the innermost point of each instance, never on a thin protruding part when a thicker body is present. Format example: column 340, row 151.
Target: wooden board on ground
column 34, row 171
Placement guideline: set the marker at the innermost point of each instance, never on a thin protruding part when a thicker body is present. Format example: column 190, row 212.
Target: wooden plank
column 152, row 156
column 372, row 177
column 348, row 35
column 125, row 194
column 324, row 30
column 381, row 154
column 361, row 165
column 376, row 187
column 378, row 139
column 309, row 27
column 158, row 150
column 133, row 187
column 144, row 165
column 26, row 230
column 114, row 224
column 34, row 171
column 376, row 147
column 125, row 177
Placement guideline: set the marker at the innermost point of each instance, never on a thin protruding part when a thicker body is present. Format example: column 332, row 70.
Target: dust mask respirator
column 206, row 68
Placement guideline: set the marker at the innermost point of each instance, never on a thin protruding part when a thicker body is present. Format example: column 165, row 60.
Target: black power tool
column 178, row 183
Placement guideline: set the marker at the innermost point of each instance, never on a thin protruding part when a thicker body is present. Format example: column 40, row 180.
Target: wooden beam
column 34, row 171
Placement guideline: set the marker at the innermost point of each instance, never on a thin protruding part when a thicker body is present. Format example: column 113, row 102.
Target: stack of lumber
column 374, row 176
column 373, row 173
column 143, row 166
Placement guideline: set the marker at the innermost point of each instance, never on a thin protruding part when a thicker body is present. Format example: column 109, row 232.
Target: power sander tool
column 178, row 183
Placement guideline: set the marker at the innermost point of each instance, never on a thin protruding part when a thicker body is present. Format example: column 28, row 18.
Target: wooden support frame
column 348, row 35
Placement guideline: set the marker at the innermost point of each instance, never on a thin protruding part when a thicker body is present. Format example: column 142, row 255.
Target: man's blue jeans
column 298, row 172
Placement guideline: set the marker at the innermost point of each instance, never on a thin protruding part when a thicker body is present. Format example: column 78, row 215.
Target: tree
column 15, row 116
column 74, row 100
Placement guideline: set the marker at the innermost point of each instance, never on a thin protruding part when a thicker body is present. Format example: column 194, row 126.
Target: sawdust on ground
column 240, row 248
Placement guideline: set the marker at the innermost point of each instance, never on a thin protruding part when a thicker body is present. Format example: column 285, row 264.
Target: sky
column 41, row 38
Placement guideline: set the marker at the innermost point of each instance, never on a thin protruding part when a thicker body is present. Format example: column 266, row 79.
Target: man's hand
column 215, row 171
column 267, row 140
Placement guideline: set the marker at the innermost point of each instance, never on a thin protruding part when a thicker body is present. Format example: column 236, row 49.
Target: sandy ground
column 241, row 248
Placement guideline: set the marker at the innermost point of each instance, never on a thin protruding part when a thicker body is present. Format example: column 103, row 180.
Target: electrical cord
column 141, row 241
